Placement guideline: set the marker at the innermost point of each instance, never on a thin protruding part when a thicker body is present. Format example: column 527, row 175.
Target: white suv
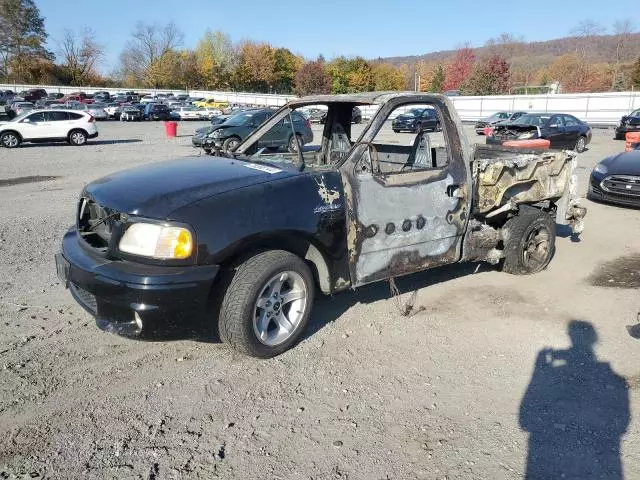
column 48, row 126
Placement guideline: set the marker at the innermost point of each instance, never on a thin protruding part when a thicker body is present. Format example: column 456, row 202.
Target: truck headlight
column 600, row 168
column 157, row 241
column 526, row 136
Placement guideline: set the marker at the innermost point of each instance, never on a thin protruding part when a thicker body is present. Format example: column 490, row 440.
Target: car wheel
column 266, row 303
column 581, row 144
column 295, row 142
column 529, row 242
column 618, row 137
column 438, row 128
column 10, row 140
column 77, row 137
column 396, row 131
column 207, row 151
column 230, row 144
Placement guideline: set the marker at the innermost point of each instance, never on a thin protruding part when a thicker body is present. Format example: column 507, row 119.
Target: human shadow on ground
column 576, row 410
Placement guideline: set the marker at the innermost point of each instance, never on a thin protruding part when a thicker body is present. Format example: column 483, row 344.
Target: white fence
column 595, row 108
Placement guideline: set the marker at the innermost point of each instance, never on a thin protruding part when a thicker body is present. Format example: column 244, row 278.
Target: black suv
column 628, row 123
column 228, row 135
column 156, row 111
column 415, row 120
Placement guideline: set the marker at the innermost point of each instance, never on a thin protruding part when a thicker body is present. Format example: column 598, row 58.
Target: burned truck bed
column 508, row 179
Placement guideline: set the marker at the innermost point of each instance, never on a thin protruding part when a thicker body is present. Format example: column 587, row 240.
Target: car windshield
column 536, row 120
column 635, row 114
column 98, row 105
column 189, row 109
column 414, row 112
column 240, row 119
column 21, row 116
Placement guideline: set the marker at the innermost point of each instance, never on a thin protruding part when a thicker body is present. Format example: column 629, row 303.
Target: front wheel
column 230, row 144
column 529, row 242
column 581, row 144
column 267, row 304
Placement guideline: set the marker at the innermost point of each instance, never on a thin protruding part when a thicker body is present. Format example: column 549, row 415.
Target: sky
column 370, row 29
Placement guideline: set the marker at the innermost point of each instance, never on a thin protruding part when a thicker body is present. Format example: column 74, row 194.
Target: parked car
column 54, row 95
column 22, row 107
column 254, row 234
column 188, row 113
column 130, row 114
column 491, row 120
column 77, row 97
column 228, row 135
column 628, row 123
column 416, row 119
column 182, row 97
column 156, row 111
column 200, row 136
column 210, row 102
column 6, row 114
column 48, row 126
column 207, row 113
column 315, row 115
column 616, row 179
column 44, row 103
column 113, row 110
column 97, row 110
column 562, row 130
column 148, row 99
column 6, row 96
column 34, row 94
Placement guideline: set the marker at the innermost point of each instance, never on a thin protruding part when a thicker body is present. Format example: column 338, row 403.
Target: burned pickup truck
column 246, row 239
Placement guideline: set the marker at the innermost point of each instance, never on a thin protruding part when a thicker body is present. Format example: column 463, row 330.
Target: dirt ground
column 496, row 376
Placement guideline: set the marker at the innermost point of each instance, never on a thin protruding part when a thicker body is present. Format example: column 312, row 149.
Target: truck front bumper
column 133, row 299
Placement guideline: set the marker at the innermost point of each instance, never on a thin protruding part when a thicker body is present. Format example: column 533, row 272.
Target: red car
column 77, row 97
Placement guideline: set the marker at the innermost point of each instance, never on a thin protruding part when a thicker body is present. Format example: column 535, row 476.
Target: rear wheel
column 529, row 242
column 581, row 144
column 10, row 140
column 266, row 304
column 295, row 142
column 77, row 137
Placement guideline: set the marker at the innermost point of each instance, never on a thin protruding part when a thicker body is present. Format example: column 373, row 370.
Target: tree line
column 155, row 57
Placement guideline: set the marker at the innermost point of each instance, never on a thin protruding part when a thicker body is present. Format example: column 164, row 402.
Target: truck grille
column 622, row 184
column 96, row 223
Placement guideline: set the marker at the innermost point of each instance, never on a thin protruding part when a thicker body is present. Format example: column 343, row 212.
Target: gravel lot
column 369, row 394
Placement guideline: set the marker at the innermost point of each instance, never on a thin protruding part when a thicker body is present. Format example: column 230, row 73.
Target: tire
column 294, row 142
column 581, row 144
column 10, row 140
column 418, row 127
column 248, row 321
column 77, row 138
column 618, row 137
column 396, row 131
column 230, row 144
column 529, row 242
column 207, row 151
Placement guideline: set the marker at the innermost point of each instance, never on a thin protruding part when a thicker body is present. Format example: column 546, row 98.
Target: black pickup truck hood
column 158, row 189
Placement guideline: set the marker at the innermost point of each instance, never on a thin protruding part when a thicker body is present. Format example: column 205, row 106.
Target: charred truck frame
column 245, row 239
